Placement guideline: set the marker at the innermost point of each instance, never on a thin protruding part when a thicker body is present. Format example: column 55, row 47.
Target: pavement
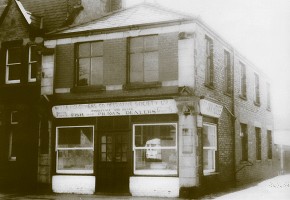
column 277, row 188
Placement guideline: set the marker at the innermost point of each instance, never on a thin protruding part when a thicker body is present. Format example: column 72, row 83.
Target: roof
column 141, row 14
column 29, row 17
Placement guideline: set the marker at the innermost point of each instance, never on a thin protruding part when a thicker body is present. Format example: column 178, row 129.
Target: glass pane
column 84, row 50
column 33, row 68
column 84, row 71
column 75, row 160
column 104, row 156
column 109, row 157
column 208, row 160
column 14, row 72
column 155, row 135
column 75, row 137
column 151, row 72
column 118, row 157
column 109, row 147
column 160, row 162
column 109, row 139
column 136, row 67
column 151, row 43
column 104, row 139
column 104, row 147
column 136, row 45
column 97, row 71
column 14, row 55
column 209, row 136
column 124, row 157
column 97, row 48
column 33, row 53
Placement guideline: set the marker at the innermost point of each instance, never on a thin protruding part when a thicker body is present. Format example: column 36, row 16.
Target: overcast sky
column 258, row 29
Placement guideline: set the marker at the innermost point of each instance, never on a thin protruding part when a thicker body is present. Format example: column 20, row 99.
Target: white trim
column 207, row 172
column 30, row 62
column 11, row 117
column 7, row 81
column 10, row 157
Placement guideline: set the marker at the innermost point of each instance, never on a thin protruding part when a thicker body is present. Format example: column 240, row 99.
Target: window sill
column 132, row 86
column 243, row 97
column 209, row 86
column 210, row 173
column 228, row 94
column 95, row 88
column 257, row 104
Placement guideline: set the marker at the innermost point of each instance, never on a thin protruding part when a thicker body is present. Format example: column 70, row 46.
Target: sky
column 258, row 29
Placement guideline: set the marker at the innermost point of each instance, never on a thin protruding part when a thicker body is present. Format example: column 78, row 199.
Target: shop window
column 269, row 144
column 75, row 150
column 258, row 143
column 155, row 149
column 244, row 141
column 144, row 66
column 13, row 65
column 243, row 81
column 228, row 72
column 257, row 89
column 209, row 76
column 90, row 64
column 268, row 96
column 32, row 64
column 209, row 141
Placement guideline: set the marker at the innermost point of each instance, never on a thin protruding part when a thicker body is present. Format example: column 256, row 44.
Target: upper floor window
column 268, row 97
column 90, row 63
column 209, row 76
column 144, row 66
column 13, row 65
column 243, row 81
column 257, row 89
column 32, row 64
column 228, row 72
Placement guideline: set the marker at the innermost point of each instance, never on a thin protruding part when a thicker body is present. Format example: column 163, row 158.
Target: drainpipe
column 234, row 120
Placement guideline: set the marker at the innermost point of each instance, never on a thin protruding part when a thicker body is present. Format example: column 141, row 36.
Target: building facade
column 149, row 102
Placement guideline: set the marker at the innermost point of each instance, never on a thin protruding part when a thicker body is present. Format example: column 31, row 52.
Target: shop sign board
column 210, row 109
column 152, row 107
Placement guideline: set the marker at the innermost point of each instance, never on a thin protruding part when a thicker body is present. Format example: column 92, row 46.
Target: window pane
column 14, row 55
column 75, row 137
column 84, row 71
column 151, row 43
column 33, row 53
column 136, row 45
column 97, row 71
column 136, row 67
column 14, row 72
column 97, row 48
column 33, row 68
column 209, row 136
column 151, row 67
column 84, row 50
column 75, row 160
column 165, row 165
column 155, row 136
column 208, row 160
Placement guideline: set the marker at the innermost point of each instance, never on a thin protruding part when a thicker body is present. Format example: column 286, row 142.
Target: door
column 113, row 165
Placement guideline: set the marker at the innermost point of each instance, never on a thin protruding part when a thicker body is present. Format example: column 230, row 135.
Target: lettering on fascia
column 166, row 106
column 210, row 109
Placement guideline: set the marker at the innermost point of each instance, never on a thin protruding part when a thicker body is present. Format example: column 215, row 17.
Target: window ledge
column 229, row 94
column 210, row 173
column 132, row 86
column 243, row 97
column 95, row 88
column 209, row 86
column 257, row 103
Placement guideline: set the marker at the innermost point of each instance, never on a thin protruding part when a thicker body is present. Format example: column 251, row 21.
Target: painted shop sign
column 211, row 109
column 167, row 106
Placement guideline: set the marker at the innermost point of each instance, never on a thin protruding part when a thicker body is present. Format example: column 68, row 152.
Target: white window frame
column 12, row 117
column 30, row 62
column 73, row 148
column 154, row 172
column 7, row 81
column 207, row 172
column 11, row 137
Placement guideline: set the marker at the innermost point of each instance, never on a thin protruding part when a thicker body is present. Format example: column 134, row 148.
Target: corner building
column 142, row 100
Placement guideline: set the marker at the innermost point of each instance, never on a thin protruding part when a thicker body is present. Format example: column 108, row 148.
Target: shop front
column 123, row 147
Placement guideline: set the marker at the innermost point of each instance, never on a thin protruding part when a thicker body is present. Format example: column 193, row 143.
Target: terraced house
column 146, row 101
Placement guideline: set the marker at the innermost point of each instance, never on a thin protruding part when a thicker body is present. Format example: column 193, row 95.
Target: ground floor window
column 75, row 149
column 209, row 147
column 155, row 149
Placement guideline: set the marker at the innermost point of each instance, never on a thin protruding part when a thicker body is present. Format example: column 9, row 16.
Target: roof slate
column 141, row 14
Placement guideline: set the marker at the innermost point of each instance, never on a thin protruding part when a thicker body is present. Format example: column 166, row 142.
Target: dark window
column 228, row 72
column 258, row 143
column 268, row 97
column 257, row 89
column 13, row 65
column 32, row 64
column 243, row 81
column 144, row 66
column 269, row 142
column 209, row 62
column 44, row 136
column 90, row 63
column 244, row 141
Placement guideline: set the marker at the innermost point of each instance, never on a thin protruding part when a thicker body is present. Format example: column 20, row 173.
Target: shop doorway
column 113, row 168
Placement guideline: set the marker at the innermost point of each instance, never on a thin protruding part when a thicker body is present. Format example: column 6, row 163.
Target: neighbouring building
column 146, row 101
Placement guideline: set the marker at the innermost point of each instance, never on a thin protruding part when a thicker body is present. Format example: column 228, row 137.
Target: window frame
column 243, row 81
column 244, row 142
column 268, row 90
column 30, row 63
column 8, row 65
column 209, row 62
column 143, row 52
column 257, row 89
column 228, row 72
column 78, row 57
column 269, row 144
column 135, row 172
column 73, row 148
column 214, row 149
column 258, row 134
